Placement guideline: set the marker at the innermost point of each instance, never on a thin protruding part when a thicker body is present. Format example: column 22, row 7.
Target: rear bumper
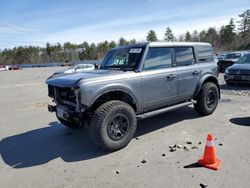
column 237, row 78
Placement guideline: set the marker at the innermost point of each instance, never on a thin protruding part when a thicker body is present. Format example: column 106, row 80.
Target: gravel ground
column 235, row 89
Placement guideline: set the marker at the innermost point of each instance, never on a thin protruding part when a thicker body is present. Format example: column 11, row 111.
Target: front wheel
column 207, row 99
column 113, row 125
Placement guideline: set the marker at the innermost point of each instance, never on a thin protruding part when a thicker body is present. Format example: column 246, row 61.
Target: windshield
column 124, row 58
column 244, row 59
column 233, row 56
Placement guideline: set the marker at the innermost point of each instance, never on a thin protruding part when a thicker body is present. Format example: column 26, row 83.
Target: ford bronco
column 135, row 82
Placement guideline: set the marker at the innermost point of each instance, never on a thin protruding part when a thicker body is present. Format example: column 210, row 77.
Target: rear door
column 187, row 73
column 159, row 82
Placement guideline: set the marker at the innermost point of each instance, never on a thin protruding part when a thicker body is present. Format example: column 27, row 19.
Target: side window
column 158, row 58
column 184, row 56
column 205, row 54
column 80, row 67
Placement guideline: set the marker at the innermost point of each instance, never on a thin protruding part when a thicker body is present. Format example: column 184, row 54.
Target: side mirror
column 97, row 66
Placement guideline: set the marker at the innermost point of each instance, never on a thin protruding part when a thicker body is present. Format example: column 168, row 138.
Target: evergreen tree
column 48, row 49
column 202, row 36
column 133, row 41
column 195, row 36
column 93, row 51
column 151, row 37
column 227, row 35
column 102, row 49
column 122, row 41
column 112, row 44
column 187, row 36
column 168, row 36
column 244, row 23
column 212, row 37
column 84, row 51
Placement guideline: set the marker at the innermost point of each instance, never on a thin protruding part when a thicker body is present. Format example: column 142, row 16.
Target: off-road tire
column 102, row 120
column 72, row 125
column 202, row 106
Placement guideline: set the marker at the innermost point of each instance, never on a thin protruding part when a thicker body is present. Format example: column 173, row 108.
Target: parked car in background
column 10, row 67
column 14, row 67
column 240, row 71
column 77, row 68
column 229, row 60
column 222, row 56
column 2, row 68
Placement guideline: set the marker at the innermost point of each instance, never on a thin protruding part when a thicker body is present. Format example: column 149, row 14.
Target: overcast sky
column 35, row 22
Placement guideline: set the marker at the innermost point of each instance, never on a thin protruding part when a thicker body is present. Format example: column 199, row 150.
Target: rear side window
column 158, row 58
column 184, row 56
column 205, row 54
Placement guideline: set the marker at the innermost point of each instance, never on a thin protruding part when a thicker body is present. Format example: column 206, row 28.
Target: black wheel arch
column 204, row 79
column 116, row 94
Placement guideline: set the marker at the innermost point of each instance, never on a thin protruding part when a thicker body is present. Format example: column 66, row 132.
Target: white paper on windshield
column 135, row 50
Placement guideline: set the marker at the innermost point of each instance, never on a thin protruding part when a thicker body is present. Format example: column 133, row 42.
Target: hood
column 68, row 80
column 69, row 71
column 238, row 66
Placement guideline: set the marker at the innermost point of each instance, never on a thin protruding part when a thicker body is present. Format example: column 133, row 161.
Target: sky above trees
column 227, row 38
column 29, row 22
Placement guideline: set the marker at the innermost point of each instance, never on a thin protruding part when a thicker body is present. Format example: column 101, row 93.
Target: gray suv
column 135, row 82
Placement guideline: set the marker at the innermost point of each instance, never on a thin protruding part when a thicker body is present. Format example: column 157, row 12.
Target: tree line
column 226, row 38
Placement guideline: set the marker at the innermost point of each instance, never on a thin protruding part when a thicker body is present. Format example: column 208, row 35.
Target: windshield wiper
column 123, row 68
column 127, row 68
column 111, row 66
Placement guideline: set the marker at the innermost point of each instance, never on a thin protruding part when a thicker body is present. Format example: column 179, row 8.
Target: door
column 187, row 72
column 159, row 81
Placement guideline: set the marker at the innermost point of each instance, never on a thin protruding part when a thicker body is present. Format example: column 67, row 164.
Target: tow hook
column 51, row 108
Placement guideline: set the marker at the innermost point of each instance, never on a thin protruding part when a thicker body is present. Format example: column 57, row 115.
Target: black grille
column 51, row 91
column 66, row 94
column 239, row 72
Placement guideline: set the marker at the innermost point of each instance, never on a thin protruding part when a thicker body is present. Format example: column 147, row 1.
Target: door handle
column 196, row 72
column 171, row 77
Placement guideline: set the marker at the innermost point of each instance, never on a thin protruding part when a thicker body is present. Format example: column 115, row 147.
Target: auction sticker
column 135, row 50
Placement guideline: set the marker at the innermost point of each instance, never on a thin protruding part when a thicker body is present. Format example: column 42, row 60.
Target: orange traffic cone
column 209, row 160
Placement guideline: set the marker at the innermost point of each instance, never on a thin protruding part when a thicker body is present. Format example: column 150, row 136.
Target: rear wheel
column 113, row 125
column 207, row 99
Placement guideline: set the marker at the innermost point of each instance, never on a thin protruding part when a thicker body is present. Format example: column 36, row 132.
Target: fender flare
column 113, row 90
column 204, row 79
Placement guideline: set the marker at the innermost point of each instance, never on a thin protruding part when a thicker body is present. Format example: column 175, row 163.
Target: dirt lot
column 37, row 151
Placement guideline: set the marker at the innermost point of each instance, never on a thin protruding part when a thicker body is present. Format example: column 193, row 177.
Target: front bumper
column 65, row 113
column 237, row 78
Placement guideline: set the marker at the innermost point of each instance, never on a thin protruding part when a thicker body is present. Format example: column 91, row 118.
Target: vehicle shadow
column 39, row 146
column 243, row 121
column 42, row 145
column 163, row 120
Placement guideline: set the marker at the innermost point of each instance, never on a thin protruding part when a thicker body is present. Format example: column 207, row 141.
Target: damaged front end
column 67, row 103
